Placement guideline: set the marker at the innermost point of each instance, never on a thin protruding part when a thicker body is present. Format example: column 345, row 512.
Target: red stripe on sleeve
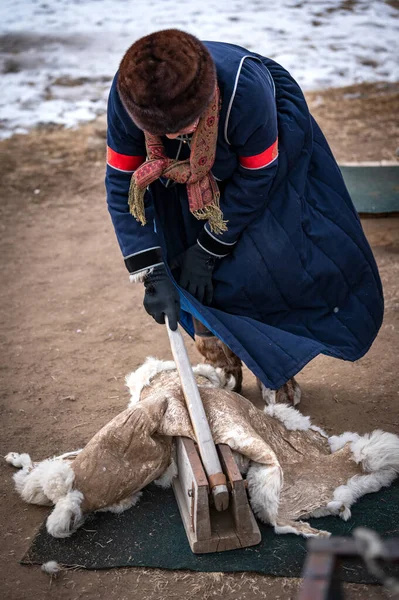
column 123, row 162
column 260, row 160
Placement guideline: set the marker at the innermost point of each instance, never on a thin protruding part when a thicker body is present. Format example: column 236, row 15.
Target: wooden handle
column 206, row 446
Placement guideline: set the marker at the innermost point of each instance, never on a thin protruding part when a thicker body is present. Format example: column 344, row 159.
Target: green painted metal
column 373, row 189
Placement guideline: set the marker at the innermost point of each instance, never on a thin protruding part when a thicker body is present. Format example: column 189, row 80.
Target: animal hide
column 293, row 469
column 124, row 456
column 299, row 464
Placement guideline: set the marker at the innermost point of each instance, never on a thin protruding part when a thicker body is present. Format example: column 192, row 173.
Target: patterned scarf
column 202, row 190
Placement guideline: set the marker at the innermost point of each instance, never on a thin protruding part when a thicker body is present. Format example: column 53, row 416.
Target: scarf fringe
column 211, row 213
column 214, row 216
column 136, row 201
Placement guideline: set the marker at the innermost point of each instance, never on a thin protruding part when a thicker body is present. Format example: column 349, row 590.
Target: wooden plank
column 230, row 536
column 198, row 417
column 194, row 460
column 228, row 463
column 207, row 529
column 244, row 521
column 193, row 490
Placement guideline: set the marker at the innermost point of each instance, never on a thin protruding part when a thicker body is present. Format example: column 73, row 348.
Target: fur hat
column 166, row 80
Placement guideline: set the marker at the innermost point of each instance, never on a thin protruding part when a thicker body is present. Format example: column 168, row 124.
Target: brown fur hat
column 166, row 80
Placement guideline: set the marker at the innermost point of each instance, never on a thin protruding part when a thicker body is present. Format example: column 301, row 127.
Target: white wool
column 268, row 395
column 291, row 418
column 210, row 373
column 123, row 505
column 67, row 515
column 29, row 485
column 215, row 375
column 281, row 529
column 42, row 483
column 319, row 430
column 165, row 480
column 51, row 567
column 18, row 460
column 139, row 277
column 227, row 382
column 264, row 486
column 338, row 441
column 377, row 450
column 57, row 477
column 357, row 486
column 337, row 507
column 126, row 504
column 142, row 376
column 70, row 455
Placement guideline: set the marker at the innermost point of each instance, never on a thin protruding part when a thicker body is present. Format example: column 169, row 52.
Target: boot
column 289, row 393
column 217, row 354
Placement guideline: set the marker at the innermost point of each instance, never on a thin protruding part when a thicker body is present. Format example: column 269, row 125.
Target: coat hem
column 226, row 337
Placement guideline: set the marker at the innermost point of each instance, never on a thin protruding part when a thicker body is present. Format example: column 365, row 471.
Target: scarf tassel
column 211, row 212
column 136, row 201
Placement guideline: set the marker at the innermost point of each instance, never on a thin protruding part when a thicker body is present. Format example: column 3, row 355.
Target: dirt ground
column 72, row 327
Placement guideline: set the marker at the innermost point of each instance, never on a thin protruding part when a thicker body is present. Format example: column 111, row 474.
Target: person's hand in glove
column 161, row 297
column 197, row 267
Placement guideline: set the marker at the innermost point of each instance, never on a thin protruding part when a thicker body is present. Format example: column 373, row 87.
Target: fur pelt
column 217, row 354
column 121, row 459
column 293, row 469
column 166, row 80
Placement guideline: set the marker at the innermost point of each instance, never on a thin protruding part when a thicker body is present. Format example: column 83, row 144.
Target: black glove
column 161, row 297
column 197, row 267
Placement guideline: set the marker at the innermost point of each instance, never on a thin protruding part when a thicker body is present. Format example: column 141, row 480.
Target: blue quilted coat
column 296, row 276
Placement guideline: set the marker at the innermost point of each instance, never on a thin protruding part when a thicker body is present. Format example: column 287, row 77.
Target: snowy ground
column 57, row 57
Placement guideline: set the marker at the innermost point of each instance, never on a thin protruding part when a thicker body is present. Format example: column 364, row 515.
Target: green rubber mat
column 152, row 535
column 374, row 190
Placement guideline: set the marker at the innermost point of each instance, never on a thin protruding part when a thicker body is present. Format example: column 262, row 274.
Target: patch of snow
column 58, row 57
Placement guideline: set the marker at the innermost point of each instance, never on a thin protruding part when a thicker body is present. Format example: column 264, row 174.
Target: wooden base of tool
column 208, row 530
